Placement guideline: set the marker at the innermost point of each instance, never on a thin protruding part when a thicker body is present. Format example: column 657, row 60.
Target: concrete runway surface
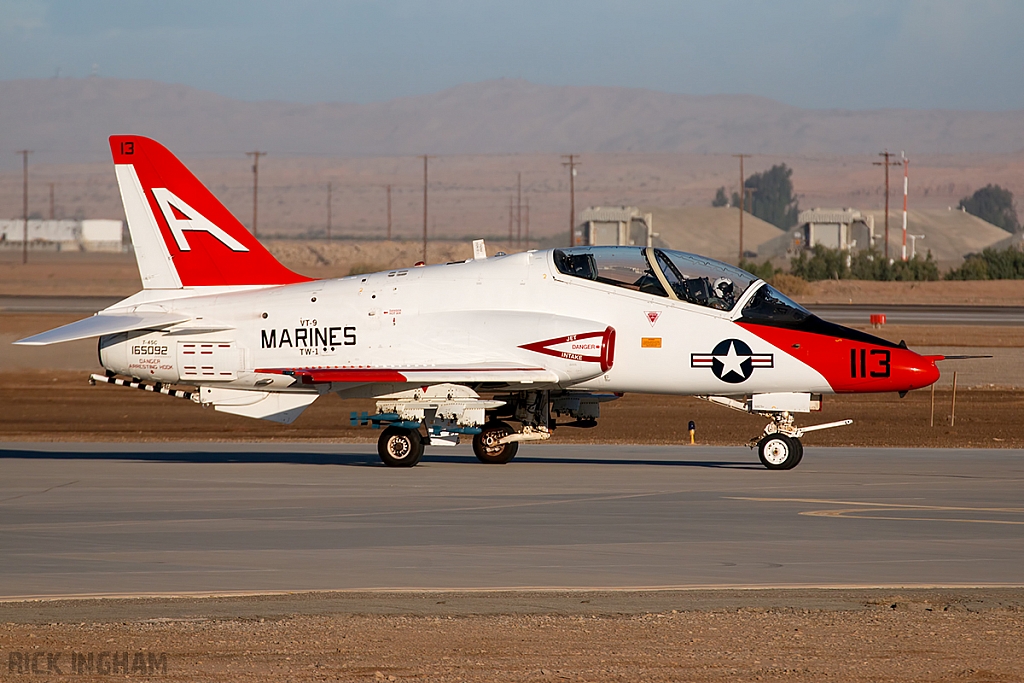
column 156, row 519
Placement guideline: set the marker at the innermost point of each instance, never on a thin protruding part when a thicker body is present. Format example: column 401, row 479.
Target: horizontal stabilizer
column 100, row 325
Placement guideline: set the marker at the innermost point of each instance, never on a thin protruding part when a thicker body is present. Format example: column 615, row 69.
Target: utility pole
column 52, row 212
column 24, row 204
column 572, row 164
column 389, row 213
column 519, row 210
column 742, row 194
column 425, row 157
column 906, row 174
column 527, row 223
column 255, row 186
column 886, row 164
column 329, row 188
column 511, row 214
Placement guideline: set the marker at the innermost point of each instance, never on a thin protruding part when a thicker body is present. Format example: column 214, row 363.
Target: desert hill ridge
column 68, row 120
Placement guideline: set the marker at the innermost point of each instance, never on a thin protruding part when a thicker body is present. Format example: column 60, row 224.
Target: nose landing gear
column 779, row 451
column 778, row 446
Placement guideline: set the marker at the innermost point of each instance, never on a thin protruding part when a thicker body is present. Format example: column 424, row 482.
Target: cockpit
column 661, row 272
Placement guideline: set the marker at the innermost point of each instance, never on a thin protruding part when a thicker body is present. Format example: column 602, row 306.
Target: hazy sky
column 854, row 54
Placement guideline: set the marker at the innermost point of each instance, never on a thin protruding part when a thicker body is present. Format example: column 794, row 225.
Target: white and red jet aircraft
column 543, row 334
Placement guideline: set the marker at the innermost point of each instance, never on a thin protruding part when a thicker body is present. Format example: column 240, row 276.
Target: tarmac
column 127, row 519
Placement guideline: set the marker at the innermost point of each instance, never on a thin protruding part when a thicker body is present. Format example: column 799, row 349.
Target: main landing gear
column 400, row 447
column 488, row 445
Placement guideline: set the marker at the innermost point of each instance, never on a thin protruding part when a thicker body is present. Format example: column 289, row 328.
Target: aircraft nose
column 919, row 371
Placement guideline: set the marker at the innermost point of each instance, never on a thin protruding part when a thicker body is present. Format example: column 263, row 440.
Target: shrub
column 991, row 264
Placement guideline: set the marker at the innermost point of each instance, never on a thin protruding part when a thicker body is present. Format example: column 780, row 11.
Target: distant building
column 615, row 226
column 846, row 229
column 64, row 235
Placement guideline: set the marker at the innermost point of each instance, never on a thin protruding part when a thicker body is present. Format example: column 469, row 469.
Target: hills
column 68, row 121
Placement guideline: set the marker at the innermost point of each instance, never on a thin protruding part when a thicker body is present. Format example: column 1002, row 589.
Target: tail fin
column 183, row 236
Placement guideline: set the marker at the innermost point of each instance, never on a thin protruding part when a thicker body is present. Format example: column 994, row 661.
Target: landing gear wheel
column 400, row 447
column 487, row 448
column 779, row 452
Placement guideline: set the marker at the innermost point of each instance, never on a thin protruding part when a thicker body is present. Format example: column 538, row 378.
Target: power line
column 255, row 187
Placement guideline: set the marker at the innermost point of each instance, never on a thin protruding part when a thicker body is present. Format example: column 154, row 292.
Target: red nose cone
column 920, row 371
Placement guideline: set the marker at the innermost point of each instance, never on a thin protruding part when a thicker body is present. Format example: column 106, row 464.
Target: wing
column 100, row 325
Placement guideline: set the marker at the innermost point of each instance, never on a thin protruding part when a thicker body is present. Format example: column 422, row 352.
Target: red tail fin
column 182, row 235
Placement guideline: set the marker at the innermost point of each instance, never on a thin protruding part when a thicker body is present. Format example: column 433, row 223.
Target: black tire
column 398, row 447
column 779, row 452
column 487, row 448
column 799, row 452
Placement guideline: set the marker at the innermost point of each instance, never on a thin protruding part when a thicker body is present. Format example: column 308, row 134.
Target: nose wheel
column 780, row 451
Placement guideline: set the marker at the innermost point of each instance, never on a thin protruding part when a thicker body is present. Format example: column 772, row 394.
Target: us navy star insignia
column 732, row 361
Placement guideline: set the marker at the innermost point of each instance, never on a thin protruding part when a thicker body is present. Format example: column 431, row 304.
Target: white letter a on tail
column 181, row 217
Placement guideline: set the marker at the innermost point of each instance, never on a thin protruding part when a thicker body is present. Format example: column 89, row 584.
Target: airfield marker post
column 952, row 412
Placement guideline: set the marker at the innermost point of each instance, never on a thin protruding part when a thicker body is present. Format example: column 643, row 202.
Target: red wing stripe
column 353, row 375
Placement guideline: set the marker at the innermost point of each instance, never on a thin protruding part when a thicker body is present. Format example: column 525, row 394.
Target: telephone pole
column 742, row 194
column 519, row 210
column 52, row 212
column 572, row 164
column 527, row 230
column 886, row 164
column 389, row 212
column 511, row 215
column 24, row 204
column 329, row 188
column 255, row 186
column 425, row 157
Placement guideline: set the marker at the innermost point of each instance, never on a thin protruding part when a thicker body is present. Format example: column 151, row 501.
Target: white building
column 615, row 226
column 846, row 229
column 63, row 235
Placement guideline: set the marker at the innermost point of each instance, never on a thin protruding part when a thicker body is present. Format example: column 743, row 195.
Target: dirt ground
column 907, row 635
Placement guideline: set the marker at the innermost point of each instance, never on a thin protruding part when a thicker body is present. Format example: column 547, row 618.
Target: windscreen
column 769, row 306
column 625, row 267
column 703, row 281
